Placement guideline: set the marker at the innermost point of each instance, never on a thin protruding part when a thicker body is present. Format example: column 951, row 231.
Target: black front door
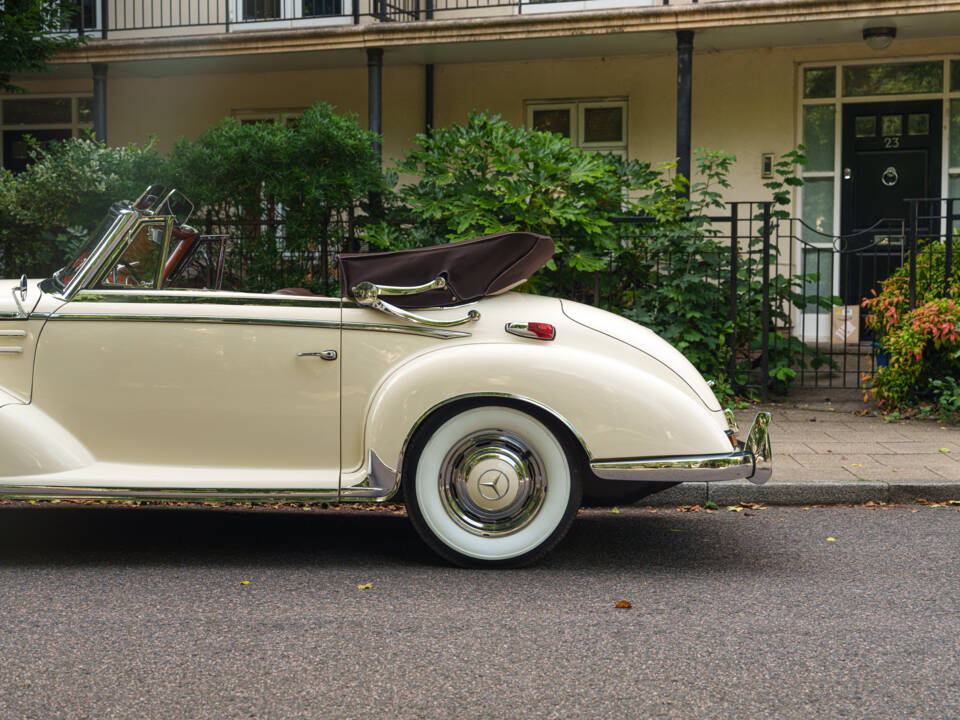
column 891, row 152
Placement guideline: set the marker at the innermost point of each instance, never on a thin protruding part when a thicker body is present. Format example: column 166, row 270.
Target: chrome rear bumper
column 752, row 461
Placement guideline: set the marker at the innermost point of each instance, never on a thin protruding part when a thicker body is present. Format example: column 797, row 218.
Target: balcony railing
column 100, row 18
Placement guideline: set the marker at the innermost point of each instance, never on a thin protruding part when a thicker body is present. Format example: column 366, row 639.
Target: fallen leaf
column 365, row 586
column 945, row 450
column 244, row 582
column 623, row 605
column 831, row 539
column 952, row 502
column 734, row 508
column 857, row 465
column 615, row 511
column 710, row 505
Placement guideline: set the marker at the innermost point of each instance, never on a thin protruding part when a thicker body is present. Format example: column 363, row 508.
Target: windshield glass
column 66, row 273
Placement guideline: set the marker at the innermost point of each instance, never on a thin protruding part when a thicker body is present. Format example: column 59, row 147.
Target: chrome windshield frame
column 114, row 235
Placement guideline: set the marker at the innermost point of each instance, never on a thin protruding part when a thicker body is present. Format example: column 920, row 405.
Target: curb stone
column 799, row 493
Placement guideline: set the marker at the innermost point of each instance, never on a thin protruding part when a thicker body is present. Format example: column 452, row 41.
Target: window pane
column 261, row 9
column 917, row 77
column 137, row 266
column 37, row 112
column 85, row 109
column 820, row 82
column 866, row 126
column 891, row 125
column 603, row 125
column 819, row 263
column 818, row 136
column 954, row 75
column 314, row 8
column 554, row 121
column 955, row 133
column 919, row 124
column 817, row 211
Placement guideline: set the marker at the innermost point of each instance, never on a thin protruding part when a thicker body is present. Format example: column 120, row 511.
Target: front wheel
column 490, row 486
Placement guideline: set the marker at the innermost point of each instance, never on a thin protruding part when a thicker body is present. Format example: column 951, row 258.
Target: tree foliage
column 30, row 35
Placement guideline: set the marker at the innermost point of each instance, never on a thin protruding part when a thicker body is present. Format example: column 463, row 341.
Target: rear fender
column 615, row 409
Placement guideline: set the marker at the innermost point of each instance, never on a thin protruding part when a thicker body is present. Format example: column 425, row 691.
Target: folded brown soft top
column 486, row 265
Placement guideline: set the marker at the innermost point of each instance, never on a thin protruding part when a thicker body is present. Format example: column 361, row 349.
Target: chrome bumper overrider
column 752, row 461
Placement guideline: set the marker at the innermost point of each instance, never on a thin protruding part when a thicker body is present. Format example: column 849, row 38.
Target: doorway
column 891, row 151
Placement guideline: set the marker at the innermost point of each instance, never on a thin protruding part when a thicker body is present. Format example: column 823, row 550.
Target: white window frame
column 578, row 110
column 291, row 16
column 75, row 126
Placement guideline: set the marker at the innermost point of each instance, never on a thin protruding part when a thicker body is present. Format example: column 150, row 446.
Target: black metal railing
column 98, row 18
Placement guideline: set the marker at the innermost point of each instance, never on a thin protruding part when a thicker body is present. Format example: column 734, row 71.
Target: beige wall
column 744, row 102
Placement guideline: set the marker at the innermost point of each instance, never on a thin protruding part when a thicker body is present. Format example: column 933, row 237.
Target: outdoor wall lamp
column 879, row 38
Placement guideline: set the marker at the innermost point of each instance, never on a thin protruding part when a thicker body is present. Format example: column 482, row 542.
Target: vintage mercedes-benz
column 492, row 412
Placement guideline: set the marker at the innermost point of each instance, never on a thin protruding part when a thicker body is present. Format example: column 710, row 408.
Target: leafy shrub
column 291, row 185
column 47, row 210
column 487, row 176
column 923, row 343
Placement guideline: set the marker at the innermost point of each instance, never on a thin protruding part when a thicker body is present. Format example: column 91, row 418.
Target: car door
column 177, row 388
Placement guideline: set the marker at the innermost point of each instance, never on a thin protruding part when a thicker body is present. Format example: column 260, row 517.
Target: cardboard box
column 846, row 324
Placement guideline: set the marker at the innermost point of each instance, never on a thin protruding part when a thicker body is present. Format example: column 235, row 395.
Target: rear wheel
column 490, row 486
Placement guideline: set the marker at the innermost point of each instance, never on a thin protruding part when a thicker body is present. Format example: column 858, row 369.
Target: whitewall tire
column 490, row 486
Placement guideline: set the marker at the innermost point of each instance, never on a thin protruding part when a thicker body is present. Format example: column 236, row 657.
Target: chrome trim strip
column 13, row 333
column 48, row 492
column 194, row 297
column 751, row 462
column 195, row 319
column 381, row 483
column 10, row 350
column 371, row 327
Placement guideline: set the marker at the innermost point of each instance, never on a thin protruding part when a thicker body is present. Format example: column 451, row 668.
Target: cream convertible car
column 491, row 411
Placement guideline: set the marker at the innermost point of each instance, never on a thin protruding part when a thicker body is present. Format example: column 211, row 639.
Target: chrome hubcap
column 492, row 483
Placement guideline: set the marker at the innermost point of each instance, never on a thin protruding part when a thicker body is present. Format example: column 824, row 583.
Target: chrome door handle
column 322, row 354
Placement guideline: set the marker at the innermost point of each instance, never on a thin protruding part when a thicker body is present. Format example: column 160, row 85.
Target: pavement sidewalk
column 826, row 452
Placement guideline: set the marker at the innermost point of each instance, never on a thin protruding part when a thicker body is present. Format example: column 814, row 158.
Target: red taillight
column 544, row 331
column 536, row 330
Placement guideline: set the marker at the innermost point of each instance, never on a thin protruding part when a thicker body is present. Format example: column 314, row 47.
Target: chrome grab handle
column 368, row 294
column 22, row 289
column 323, row 354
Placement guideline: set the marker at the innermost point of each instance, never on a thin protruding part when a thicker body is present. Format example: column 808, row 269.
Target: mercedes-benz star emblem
column 493, row 485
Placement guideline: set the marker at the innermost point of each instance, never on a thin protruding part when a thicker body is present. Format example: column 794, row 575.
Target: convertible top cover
column 487, row 265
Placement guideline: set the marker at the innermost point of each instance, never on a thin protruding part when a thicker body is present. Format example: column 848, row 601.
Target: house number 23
column 891, row 142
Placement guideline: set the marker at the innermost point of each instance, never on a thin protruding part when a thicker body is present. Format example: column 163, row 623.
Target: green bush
column 291, row 184
column 923, row 344
column 48, row 210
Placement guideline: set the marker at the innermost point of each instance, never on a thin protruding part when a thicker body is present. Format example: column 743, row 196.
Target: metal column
column 100, row 102
column 375, row 96
column 684, row 101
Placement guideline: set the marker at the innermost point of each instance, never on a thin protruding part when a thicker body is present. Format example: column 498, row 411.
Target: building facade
column 871, row 88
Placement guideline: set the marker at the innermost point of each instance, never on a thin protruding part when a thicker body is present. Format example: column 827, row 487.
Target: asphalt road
column 112, row 612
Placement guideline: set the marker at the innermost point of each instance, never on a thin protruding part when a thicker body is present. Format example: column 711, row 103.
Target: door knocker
column 890, row 176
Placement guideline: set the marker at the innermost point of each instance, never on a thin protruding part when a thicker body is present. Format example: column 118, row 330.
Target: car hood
column 646, row 341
